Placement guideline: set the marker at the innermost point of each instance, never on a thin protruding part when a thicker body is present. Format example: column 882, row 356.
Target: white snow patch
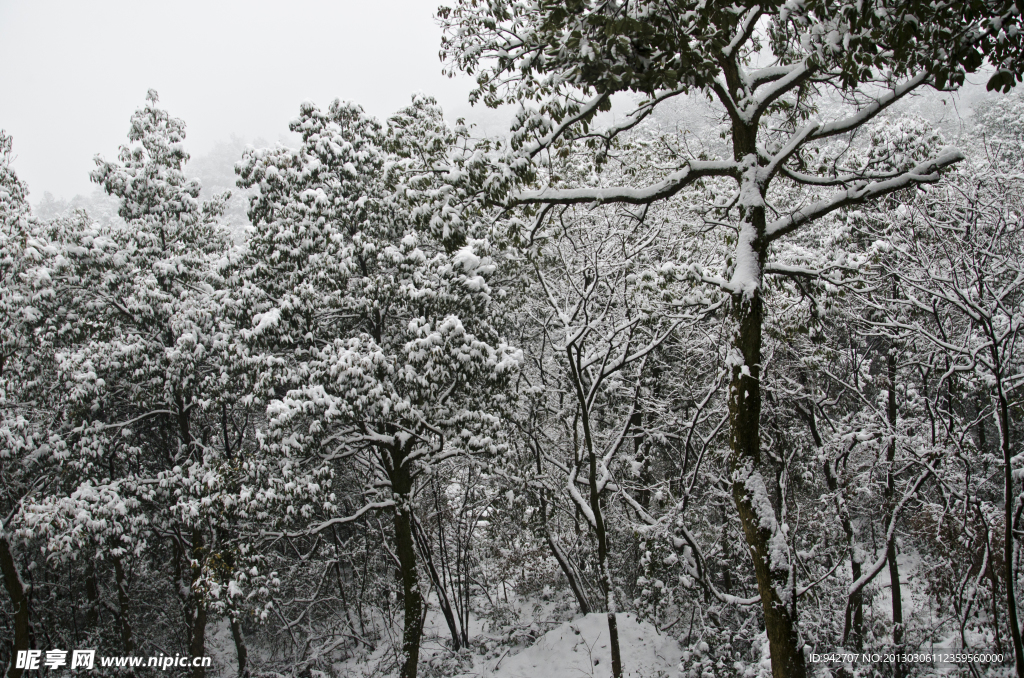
column 581, row 647
column 263, row 321
column 467, row 259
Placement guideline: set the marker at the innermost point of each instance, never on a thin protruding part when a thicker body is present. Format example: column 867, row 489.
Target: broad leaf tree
column 768, row 67
column 373, row 328
column 139, row 363
column 23, row 442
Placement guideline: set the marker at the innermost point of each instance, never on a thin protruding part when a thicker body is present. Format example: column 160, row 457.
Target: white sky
column 74, row 71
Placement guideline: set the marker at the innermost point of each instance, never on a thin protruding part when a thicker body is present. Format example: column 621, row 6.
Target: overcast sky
column 73, row 72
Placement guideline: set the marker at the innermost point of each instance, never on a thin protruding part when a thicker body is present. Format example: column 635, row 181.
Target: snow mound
column 580, row 648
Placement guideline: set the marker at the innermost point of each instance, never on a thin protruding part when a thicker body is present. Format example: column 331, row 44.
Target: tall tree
column 374, row 325
column 769, row 67
column 21, row 439
column 141, row 365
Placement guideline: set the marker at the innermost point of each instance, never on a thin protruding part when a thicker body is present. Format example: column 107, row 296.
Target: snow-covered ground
column 580, row 648
column 541, row 637
column 572, row 648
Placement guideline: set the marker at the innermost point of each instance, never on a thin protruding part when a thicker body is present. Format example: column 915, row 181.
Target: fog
column 235, row 71
column 74, row 72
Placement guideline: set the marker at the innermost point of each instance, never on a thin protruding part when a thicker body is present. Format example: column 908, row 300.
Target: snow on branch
column 746, row 29
column 868, row 112
column 636, row 116
column 925, row 173
column 578, row 499
column 585, row 112
column 890, row 534
column 813, row 273
column 799, row 74
column 378, row 505
column 838, row 180
column 674, row 183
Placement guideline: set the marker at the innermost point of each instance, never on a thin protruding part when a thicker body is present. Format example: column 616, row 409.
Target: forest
column 709, row 367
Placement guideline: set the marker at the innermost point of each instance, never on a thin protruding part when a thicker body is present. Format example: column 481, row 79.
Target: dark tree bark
column 197, row 647
column 442, row 593
column 23, row 633
column 405, row 549
column 993, row 578
column 92, row 594
column 241, row 653
column 1008, row 503
column 564, row 564
column 604, row 571
column 745, row 458
column 853, row 622
column 569, row 571
column 636, row 424
column 197, row 630
column 606, row 575
column 124, row 607
column 890, row 490
column 745, row 394
column 607, row 584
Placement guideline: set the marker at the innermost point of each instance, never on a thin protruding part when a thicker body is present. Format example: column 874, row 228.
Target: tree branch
column 674, row 183
column 925, row 173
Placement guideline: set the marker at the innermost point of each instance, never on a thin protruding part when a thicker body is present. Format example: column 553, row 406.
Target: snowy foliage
column 747, row 379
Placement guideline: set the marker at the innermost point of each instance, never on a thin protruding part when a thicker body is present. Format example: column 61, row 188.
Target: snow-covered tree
column 719, row 336
column 374, row 329
column 139, row 337
column 769, row 68
column 22, row 439
column 961, row 290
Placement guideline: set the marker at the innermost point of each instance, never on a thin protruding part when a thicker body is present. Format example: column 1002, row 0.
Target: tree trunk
column 198, row 644
column 604, row 572
column 569, row 572
column 182, row 587
column 124, row 605
column 197, row 639
column 994, row 581
column 1008, row 502
column 439, row 584
column 567, row 569
column 636, row 423
column 362, row 593
column 240, row 650
column 897, row 608
column 23, row 635
column 854, row 627
column 764, row 536
column 198, row 648
column 762, row 532
column 405, row 549
column 853, row 622
column 727, row 556
column 890, row 491
column 92, row 594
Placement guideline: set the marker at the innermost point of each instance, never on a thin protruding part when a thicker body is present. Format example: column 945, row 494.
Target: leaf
column 1003, row 81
